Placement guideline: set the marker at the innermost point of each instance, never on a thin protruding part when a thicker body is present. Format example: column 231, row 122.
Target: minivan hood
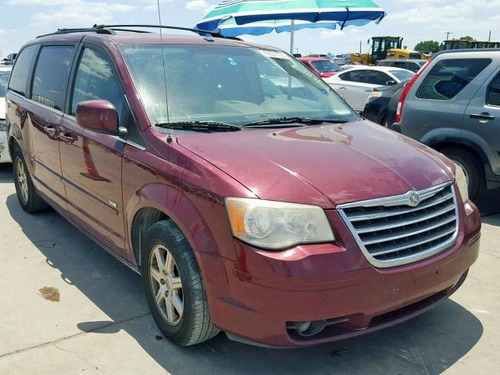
column 324, row 165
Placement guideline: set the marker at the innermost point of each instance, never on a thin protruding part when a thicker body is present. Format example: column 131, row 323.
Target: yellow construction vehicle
column 385, row 47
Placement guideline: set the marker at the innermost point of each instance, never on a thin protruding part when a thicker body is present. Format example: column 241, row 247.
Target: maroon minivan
column 249, row 196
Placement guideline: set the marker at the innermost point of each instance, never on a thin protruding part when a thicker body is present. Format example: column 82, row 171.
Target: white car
column 355, row 85
column 4, row 78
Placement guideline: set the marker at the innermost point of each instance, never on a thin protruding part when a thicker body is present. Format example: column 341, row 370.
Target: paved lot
column 67, row 307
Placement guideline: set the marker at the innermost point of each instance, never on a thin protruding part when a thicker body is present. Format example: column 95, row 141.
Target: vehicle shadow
column 428, row 344
column 489, row 204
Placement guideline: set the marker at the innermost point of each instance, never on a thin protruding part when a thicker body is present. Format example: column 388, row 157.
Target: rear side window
column 21, row 70
column 51, row 75
column 354, row 76
column 493, row 96
column 377, row 78
column 448, row 77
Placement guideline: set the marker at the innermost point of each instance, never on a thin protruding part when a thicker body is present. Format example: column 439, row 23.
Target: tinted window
column 21, row 70
column 354, row 76
column 4, row 78
column 448, row 77
column 378, row 78
column 493, row 96
column 51, row 75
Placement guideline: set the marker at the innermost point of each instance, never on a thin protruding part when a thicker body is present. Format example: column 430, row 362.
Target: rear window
column 448, row 77
column 21, row 70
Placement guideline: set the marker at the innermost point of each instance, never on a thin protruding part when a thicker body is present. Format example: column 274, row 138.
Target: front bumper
column 265, row 292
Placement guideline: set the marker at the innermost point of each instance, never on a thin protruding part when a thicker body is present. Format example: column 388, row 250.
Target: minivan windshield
column 230, row 86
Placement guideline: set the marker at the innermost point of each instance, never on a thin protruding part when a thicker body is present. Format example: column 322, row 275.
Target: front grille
column 393, row 231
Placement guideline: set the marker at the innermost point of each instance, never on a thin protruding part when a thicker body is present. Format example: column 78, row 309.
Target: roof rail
column 215, row 33
column 111, row 29
column 79, row 30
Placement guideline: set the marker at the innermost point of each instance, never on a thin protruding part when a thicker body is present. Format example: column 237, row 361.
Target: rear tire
column 26, row 192
column 473, row 170
column 174, row 287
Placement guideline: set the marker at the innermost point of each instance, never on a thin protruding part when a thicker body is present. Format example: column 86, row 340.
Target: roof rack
column 111, row 29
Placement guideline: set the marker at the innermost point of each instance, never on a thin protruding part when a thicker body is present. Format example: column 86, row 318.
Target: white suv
column 4, row 78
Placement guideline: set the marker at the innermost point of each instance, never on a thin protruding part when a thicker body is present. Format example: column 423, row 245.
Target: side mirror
column 390, row 83
column 97, row 115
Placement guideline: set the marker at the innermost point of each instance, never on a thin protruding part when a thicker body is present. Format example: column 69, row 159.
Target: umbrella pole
column 292, row 36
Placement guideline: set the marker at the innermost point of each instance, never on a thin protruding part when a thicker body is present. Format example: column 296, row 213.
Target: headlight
column 461, row 181
column 277, row 225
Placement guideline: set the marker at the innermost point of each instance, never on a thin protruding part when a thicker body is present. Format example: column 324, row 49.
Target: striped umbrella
column 258, row 17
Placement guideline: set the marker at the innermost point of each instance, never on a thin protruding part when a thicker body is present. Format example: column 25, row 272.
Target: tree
column 427, row 46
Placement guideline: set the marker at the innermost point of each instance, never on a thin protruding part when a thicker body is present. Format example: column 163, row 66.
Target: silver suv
column 453, row 105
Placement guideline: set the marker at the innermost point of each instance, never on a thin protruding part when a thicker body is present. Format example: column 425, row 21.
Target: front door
column 92, row 161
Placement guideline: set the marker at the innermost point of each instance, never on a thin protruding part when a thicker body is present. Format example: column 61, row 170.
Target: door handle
column 485, row 116
column 342, row 88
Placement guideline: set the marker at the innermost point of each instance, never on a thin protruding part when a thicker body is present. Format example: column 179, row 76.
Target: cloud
column 152, row 5
column 3, row 32
column 81, row 14
column 43, row 2
column 198, row 5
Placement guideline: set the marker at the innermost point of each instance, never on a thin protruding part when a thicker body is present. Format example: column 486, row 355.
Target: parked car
column 274, row 213
column 382, row 104
column 453, row 105
column 321, row 66
column 4, row 78
column 410, row 64
column 9, row 60
column 355, row 85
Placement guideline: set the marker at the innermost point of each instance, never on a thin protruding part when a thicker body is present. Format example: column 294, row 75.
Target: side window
column 448, row 77
column 20, row 74
column 493, row 95
column 400, row 64
column 96, row 79
column 378, row 78
column 51, row 75
column 354, row 76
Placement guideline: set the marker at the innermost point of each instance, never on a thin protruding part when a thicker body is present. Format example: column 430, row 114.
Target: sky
column 414, row 20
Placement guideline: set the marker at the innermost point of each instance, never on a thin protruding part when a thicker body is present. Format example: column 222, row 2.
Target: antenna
column 163, row 60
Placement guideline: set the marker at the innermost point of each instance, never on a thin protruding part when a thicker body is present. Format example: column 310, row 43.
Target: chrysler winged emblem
column 414, row 199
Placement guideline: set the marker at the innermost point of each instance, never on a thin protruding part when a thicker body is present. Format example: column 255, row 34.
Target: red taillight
column 399, row 109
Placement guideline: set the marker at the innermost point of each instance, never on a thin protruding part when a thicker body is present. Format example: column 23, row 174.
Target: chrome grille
column 406, row 228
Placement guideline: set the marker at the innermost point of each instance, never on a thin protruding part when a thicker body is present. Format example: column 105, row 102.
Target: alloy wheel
column 166, row 285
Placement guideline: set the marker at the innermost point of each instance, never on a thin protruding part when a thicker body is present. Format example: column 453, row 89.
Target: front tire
column 473, row 170
column 174, row 287
column 26, row 192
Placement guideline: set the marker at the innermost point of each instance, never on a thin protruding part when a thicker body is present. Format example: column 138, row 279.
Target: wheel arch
column 156, row 202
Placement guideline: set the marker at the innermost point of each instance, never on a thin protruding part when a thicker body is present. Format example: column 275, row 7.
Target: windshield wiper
column 294, row 120
column 199, row 125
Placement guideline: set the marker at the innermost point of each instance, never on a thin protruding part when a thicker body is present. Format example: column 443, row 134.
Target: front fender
column 196, row 224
